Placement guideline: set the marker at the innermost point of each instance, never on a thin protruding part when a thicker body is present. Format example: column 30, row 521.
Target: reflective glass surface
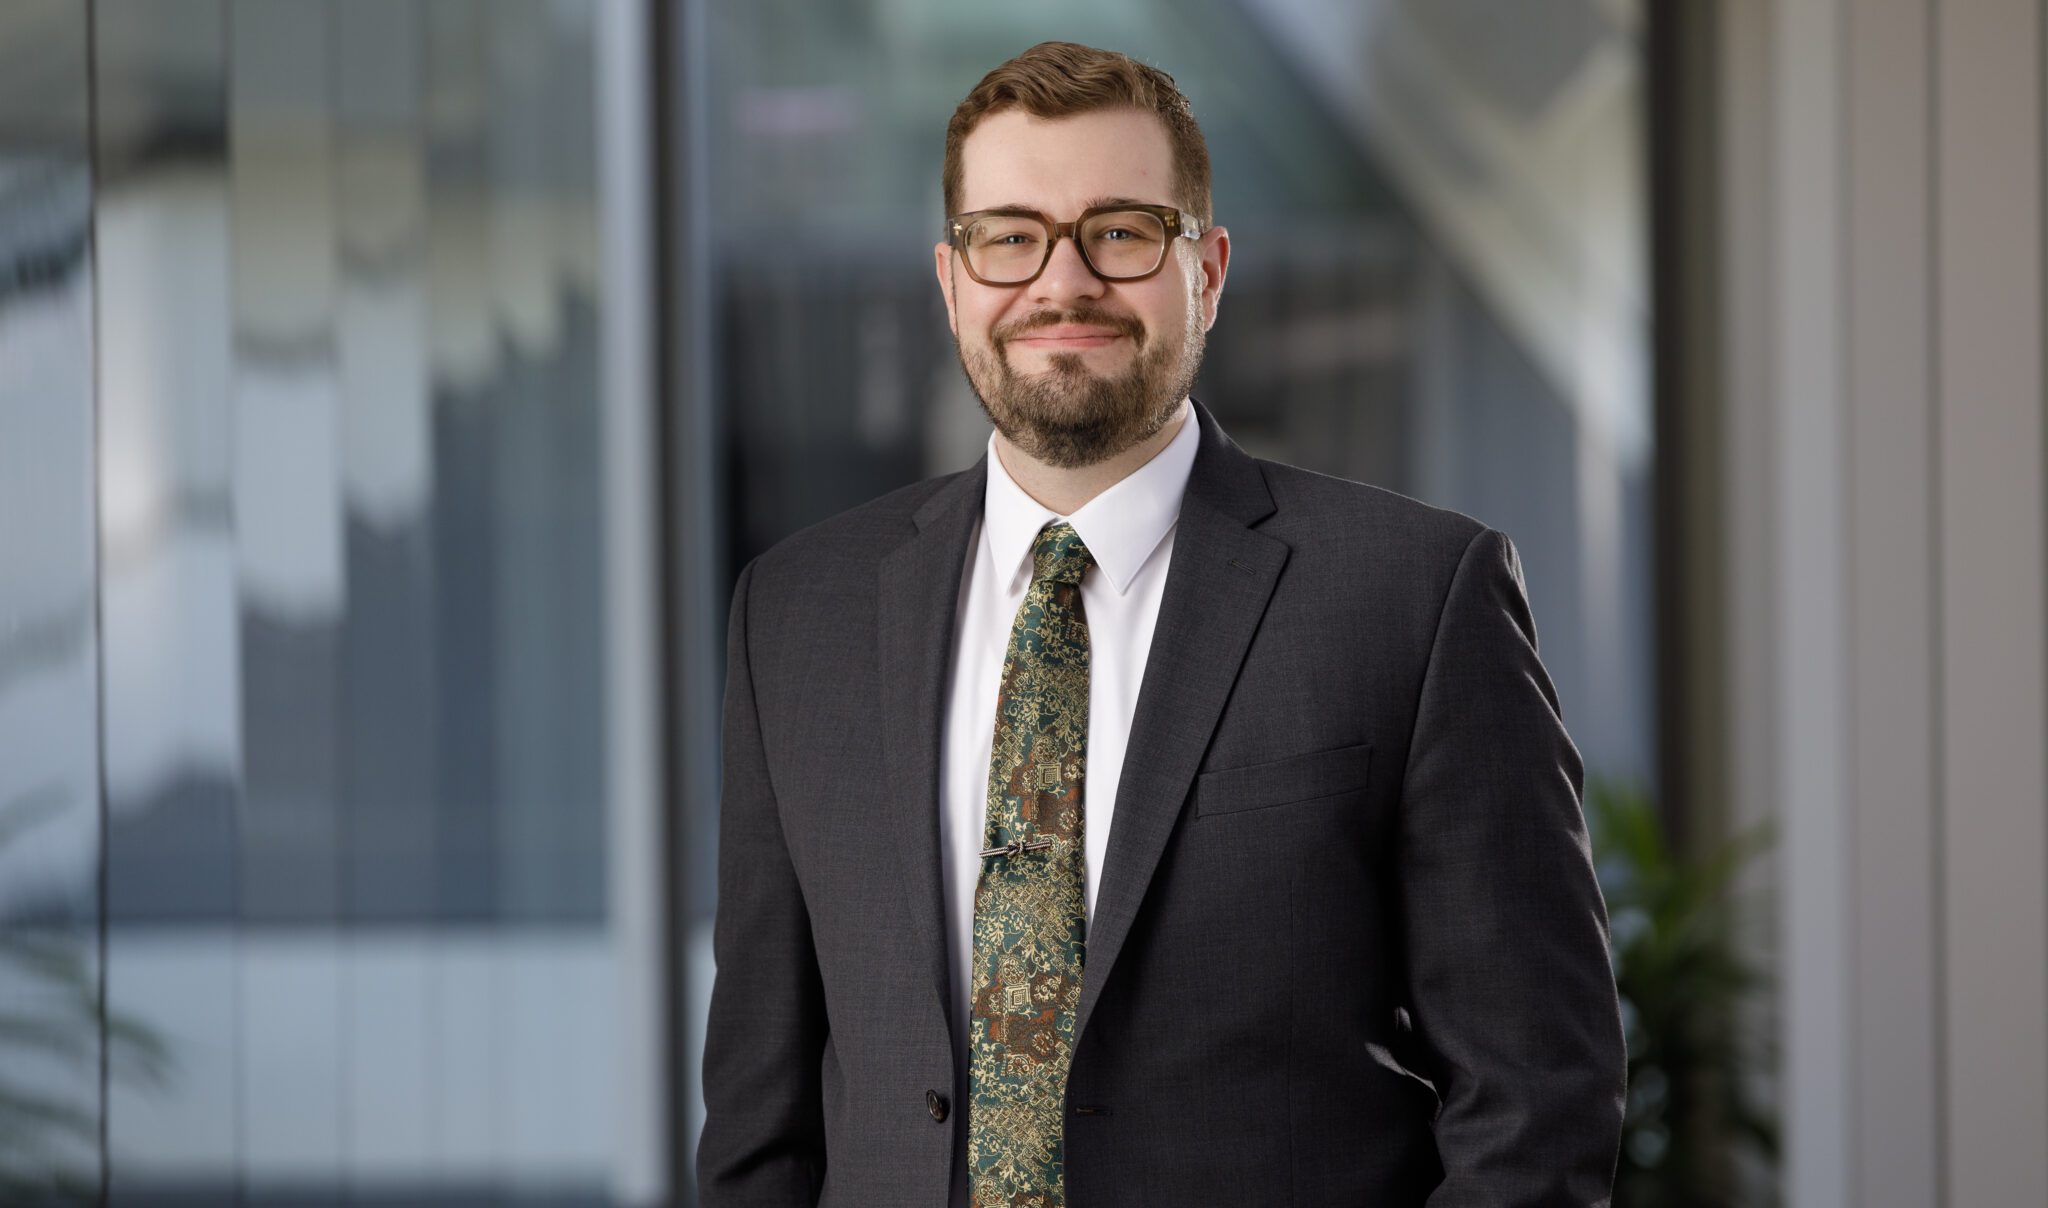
column 52, row 1044
column 326, row 505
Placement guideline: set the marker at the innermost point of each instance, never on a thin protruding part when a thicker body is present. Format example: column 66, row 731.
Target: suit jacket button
column 935, row 1103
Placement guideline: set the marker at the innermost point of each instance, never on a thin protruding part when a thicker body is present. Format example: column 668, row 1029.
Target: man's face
column 1073, row 369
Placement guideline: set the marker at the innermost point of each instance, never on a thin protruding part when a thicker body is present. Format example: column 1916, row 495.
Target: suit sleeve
column 1511, row 992
column 763, row 1143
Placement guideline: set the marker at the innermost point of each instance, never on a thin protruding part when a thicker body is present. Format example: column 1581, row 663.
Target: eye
column 1003, row 237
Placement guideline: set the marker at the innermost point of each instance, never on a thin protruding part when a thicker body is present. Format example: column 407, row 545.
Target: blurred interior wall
column 1875, row 558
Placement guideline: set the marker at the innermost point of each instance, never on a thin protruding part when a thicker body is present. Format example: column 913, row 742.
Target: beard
column 1069, row 416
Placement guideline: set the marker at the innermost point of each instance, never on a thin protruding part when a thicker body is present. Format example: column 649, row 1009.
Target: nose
column 1066, row 276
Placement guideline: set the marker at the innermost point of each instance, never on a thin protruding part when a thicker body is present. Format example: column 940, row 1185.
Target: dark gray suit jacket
column 1347, row 949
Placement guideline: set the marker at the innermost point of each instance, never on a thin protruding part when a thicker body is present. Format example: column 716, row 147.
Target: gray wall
column 1881, row 556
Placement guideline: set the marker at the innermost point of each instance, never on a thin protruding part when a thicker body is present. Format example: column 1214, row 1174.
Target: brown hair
column 1061, row 79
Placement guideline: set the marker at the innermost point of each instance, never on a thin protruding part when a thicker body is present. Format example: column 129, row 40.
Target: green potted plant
column 52, row 1018
column 1684, row 983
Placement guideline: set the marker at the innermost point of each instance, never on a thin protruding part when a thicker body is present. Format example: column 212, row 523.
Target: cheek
column 1175, row 303
column 976, row 317
column 1169, row 314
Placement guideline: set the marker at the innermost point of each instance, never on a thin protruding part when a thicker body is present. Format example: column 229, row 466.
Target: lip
column 1068, row 337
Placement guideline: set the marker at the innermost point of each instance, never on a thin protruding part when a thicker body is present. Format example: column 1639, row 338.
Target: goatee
column 1069, row 416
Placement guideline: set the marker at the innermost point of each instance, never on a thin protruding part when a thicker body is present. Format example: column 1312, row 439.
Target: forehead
column 1062, row 164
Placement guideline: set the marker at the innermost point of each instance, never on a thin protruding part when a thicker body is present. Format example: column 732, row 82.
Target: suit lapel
column 916, row 605
column 1217, row 586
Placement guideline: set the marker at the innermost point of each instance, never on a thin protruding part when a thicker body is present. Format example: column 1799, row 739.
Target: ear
column 1214, row 249
column 942, row 262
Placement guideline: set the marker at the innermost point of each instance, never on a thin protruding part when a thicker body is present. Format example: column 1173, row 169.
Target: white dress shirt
column 1129, row 531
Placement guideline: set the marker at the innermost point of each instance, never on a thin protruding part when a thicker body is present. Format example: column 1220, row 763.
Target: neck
column 1066, row 491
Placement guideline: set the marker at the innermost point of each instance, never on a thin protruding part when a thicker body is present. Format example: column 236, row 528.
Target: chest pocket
column 1297, row 778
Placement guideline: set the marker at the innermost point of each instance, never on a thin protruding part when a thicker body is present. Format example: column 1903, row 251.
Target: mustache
column 1086, row 317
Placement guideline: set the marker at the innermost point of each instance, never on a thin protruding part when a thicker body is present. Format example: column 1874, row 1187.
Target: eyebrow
column 1090, row 204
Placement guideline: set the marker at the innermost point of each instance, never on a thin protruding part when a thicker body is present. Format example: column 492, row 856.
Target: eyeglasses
column 1117, row 243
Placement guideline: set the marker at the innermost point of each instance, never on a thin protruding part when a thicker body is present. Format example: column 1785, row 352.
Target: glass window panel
column 51, row 1041
column 377, row 570
column 170, row 633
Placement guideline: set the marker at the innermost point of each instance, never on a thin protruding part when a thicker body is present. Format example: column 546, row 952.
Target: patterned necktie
column 1030, row 920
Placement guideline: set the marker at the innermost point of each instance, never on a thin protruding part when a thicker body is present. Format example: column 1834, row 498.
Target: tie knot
column 1058, row 555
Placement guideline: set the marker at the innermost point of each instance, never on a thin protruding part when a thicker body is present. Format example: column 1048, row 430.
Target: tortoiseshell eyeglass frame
column 1179, row 225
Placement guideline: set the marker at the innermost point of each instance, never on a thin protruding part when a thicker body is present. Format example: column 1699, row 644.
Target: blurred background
column 391, row 389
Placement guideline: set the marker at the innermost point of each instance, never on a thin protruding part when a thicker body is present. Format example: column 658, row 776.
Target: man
column 1125, row 820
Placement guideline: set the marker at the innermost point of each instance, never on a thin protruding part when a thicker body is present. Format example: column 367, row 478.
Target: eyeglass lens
column 1006, row 249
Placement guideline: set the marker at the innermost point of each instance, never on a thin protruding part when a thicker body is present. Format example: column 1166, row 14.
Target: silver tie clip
column 1016, row 847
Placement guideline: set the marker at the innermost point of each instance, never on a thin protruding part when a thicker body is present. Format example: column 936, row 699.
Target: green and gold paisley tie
column 1030, row 915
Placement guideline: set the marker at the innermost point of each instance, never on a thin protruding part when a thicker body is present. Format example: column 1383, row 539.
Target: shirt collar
column 1121, row 527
